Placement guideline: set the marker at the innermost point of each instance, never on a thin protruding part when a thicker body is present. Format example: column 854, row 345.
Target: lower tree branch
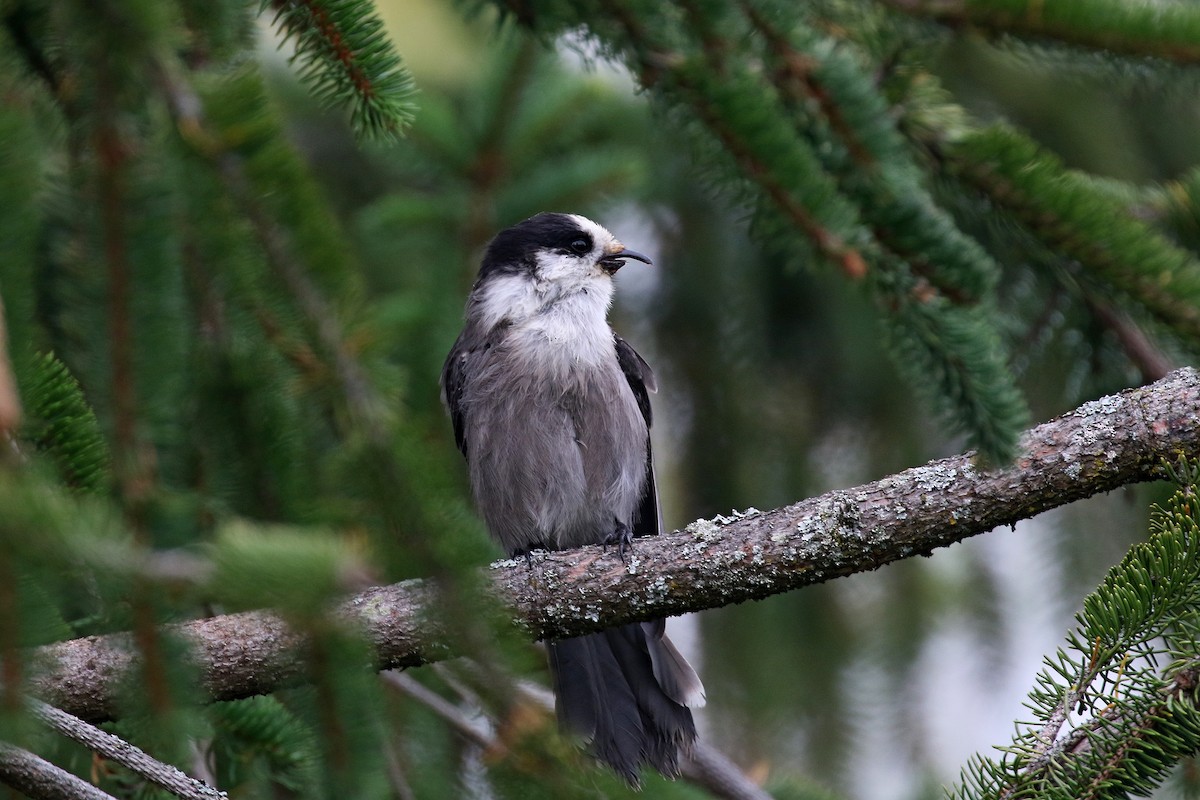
column 1111, row 734
column 127, row 755
column 37, row 778
column 1114, row 441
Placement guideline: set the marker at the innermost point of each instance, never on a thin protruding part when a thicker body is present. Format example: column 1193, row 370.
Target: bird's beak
column 614, row 261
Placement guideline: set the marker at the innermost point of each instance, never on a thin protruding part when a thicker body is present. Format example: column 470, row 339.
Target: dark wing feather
column 638, row 373
column 647, row 519
column 453, row 382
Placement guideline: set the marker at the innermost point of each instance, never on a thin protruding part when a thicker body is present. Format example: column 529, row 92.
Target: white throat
column 555, row 314
column 555, row 289
column 560, row 325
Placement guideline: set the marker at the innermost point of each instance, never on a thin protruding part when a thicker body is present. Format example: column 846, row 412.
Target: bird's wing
column 648, row 519
column 638, row 373
column 453, row 382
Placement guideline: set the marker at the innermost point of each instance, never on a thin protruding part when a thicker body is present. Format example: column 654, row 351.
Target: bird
column 551, row 410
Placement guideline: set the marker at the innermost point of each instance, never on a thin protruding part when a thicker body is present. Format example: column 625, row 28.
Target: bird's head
column 564, row 249
column 538, row 264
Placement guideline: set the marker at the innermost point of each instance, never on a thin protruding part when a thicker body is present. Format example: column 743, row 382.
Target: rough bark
column 35, row 777
column 133, row 758
column 1114, row 441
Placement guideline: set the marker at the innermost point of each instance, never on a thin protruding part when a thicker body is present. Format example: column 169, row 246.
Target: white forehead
column 598, row 232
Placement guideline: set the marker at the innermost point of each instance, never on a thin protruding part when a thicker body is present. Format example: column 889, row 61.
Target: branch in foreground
column 35, row 777
column 127, row 755
column 1114, row 441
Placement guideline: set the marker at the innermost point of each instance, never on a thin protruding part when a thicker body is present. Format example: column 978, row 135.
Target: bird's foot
column 622, row 537
column 528, row 552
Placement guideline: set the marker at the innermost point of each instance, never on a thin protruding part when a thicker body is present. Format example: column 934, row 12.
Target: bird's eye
column 581, row 246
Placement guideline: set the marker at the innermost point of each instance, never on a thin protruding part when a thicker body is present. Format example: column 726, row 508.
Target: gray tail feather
column 607, row 692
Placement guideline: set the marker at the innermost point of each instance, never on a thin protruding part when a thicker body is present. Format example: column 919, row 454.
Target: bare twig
column 1138, row 347
column 705, row 766
column 397, row 776
column 39, row 779
column 712, row 770
column 1111, row 442
column 449, row 712
column 122, row 752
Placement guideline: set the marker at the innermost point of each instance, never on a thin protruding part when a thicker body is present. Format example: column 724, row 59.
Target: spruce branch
column 280, row 251
column 18, row 21
column 1110, row 442
column 60, row 424
column 1170, row 31
column 934, row 282
column 1133, row 721
column 749, row 133
column 798, row 73
column 346, row 57
column 797, row 123
column 1072, row 216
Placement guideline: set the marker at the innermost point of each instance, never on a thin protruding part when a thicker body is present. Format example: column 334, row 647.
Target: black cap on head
column 513, row 249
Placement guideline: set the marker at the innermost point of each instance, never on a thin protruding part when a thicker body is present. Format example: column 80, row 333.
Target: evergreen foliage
column 1168, row 30
column 345, row 55
column 1119, row 706
column 62, row 425
column 258, row 739
column 227, row 338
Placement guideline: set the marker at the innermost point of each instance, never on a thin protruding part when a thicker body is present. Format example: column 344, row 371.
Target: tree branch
column 1128, row 29
column 127, row 755
column 37, row 778
column 1114, row 441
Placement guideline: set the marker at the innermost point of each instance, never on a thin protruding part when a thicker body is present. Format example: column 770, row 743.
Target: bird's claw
column 528, row 552
column 622, row 537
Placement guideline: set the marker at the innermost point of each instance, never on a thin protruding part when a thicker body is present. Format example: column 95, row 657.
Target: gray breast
column 557, row 457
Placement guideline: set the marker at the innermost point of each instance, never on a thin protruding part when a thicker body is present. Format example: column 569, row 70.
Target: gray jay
column 552, row 411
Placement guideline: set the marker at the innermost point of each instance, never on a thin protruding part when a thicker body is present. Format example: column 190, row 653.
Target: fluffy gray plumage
column 552, row 411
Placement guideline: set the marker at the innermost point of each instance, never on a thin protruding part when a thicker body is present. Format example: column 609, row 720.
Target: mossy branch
column 1113, row 441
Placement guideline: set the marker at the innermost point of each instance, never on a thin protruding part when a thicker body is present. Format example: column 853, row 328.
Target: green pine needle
column 259, row 740
column 954, row 357
column 63, row 426
column 1166, row 30
column 1080, row 219
column 1117, row 707
column 346, row 57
